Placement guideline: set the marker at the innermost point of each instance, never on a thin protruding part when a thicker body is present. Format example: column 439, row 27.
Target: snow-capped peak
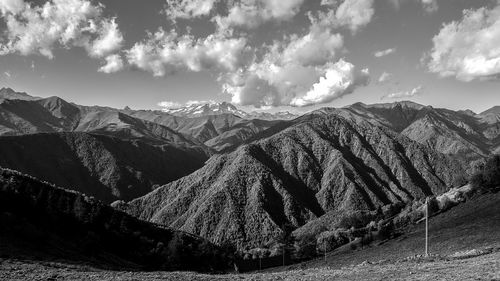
column 197, row 109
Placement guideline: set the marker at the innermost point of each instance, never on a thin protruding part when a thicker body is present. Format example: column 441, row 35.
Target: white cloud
column 340, row 79
column 252, row 13
column 32, row 29
column 468, row 49
column 385, row 77
column 297, row 70
column 165, row 52
column 114, row 63
column 110, row 39
column 405, row 94
column 315, row 48
column 169, row 104
column 353, row 14
column 287, row 70
column 11, row 6
column 7, row 74
column 266, row 84
column 187, row 9
column 385, row 52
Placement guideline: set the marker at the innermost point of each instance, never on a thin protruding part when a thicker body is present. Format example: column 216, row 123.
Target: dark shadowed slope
column 321, row 163
column 105, row 167
column 42, row 222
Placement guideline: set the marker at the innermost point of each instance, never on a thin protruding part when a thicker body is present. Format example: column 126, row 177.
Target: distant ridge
column 493, row 110
column 105, row 167
column 8, row 93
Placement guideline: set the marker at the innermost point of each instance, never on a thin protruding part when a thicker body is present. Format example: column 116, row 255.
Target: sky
column 294, row 55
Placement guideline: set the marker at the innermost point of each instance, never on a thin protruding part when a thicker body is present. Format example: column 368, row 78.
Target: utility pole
column 427, row 226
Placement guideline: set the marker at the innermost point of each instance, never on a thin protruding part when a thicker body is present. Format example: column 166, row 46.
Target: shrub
column 488, row 177
column 446, row 203
column 356, row 220
column 330, row 240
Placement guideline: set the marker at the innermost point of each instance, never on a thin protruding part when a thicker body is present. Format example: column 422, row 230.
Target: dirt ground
column 482, row 267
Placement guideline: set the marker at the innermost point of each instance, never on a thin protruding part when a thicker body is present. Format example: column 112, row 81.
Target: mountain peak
column 10, row 94
column 205, row 109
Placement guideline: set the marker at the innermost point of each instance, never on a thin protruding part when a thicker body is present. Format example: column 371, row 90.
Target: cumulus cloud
column 385, row 77
column 252, row 13
column 287, row 70
column 187, row 9
column 295, row 85
column 355, row 13
column 11, row 6
column 468, row 49
column 299, row 70
column 166, row 52
column 340, row 79
column 384, row 53
column 352, row 14
column 110, row 39
column 32, row 29
column 315, row 48
column 114, row 63
column 404, row 94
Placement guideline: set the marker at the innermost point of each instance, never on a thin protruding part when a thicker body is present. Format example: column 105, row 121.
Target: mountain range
column 215, row 172
column 316, row 164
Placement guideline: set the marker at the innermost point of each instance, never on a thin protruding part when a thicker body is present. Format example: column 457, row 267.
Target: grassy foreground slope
column 471, row 225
